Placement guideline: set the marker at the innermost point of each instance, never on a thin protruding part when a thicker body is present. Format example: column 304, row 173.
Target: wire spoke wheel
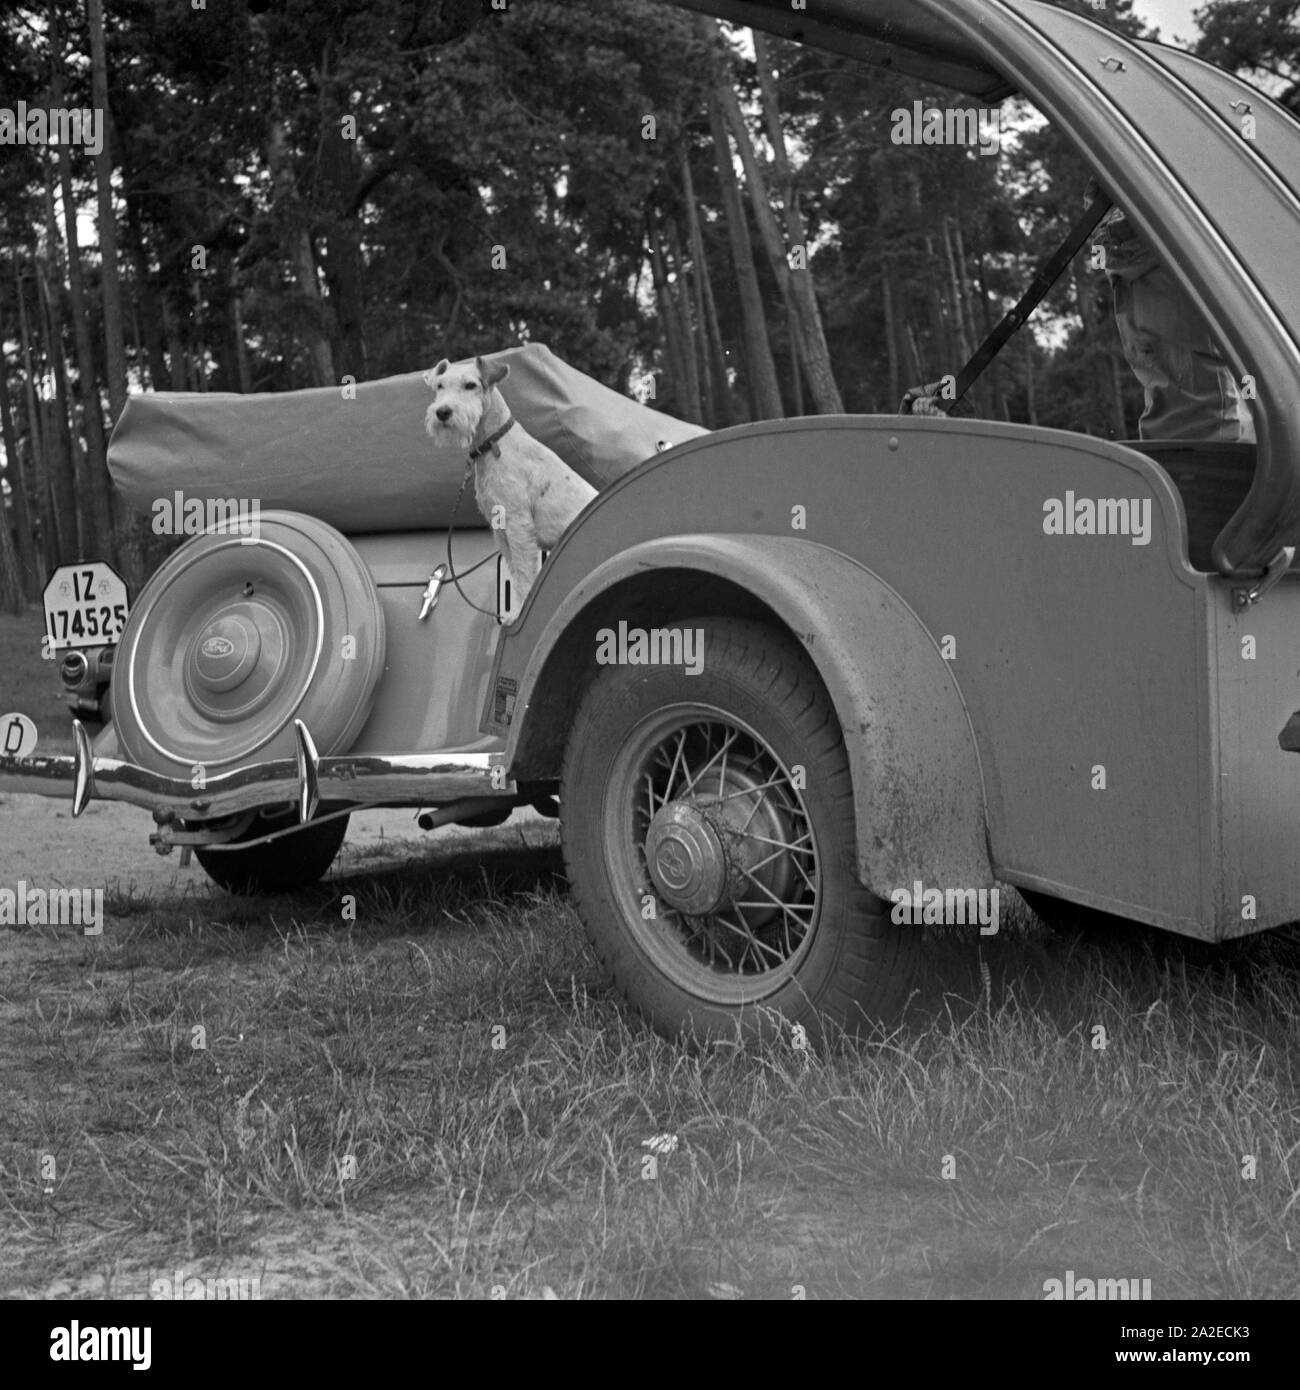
column 713, row 836
column 711, row 843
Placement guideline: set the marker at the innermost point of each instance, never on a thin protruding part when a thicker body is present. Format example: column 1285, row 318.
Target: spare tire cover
column 237, row 636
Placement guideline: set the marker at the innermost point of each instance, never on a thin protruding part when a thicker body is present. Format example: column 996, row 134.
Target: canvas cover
column 366, row 464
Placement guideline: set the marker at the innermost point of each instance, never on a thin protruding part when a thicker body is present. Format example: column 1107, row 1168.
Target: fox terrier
column 525, row 491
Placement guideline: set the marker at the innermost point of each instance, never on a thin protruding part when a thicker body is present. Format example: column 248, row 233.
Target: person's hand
column 923, row 400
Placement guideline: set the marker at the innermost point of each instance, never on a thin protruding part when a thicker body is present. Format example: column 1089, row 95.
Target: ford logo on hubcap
column 217, row 647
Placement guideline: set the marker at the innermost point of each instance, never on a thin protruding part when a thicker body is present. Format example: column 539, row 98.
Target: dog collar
column 491, row 442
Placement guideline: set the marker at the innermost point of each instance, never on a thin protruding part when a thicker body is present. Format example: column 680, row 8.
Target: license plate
column 85, row 606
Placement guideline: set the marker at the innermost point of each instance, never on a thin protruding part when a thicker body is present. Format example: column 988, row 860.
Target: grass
column 441, row 1099
column 31, row 686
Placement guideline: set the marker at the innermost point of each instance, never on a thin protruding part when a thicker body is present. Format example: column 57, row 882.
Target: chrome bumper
column 422, row 779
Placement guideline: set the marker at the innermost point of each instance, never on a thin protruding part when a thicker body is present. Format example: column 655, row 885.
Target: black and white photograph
column 648, row 652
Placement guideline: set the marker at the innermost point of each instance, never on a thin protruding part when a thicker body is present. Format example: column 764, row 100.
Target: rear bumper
column 306, row 779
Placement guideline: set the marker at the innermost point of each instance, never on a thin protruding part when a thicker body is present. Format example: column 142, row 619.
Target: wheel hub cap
column 234, row 660
column 688, row 859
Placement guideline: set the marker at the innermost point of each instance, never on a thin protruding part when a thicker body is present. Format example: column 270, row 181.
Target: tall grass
column 442, row 1099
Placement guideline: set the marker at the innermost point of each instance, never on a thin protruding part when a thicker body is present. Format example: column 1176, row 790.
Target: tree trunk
column 961, row 320
column 302, row 258
column 674, row 348
column 50, row 512
column 30, row 567
column 47, row 542
column 964, row 283
column 886, row 201
column 896, row 387
column 15, row 567
column 716, row 361
column 759, row 198
column 958, row 296
column 813, row 351
column 176, row 353
column 146, row 298
column 241, row 347
column 98, row 501
column 199, row 355
column 942, row 347
column 683, row 305
column 56, row 319
column 13, row 599
column 75, row 539
column 132, row 536
column 797, row 369
column 765, row 394
column 918, row 368
column 41, row 455
column 717, row 354
column 110, row 285
column 344, row 267
column 704, row 355
column 1000, row 402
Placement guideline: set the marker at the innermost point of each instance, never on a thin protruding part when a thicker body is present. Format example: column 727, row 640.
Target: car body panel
column 894, row 34
column 1078, row 658
column 1274, row 140
column 436, row 671
column 1255, row 669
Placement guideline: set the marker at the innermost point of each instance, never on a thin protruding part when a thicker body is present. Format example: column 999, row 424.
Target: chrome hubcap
column 687, row 859
column 235, row 660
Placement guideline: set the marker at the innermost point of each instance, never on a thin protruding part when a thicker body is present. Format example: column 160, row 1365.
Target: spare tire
column 236, row 637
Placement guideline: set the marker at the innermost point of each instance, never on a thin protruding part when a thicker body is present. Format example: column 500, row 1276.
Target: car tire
column 233, row 639
column 675, row 788
column 293, row 861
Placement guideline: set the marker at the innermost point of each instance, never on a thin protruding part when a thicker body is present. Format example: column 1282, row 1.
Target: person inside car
column 1188, row 386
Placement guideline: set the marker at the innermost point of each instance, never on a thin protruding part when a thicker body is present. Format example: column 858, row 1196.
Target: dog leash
column 490, row 443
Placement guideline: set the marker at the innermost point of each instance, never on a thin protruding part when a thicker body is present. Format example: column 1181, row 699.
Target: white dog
column 525, row 491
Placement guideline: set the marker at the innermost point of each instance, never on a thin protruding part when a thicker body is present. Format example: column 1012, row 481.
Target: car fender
column 917, row 783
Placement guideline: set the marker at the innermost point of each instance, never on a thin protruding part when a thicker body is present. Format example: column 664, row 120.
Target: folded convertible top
column 366, row 464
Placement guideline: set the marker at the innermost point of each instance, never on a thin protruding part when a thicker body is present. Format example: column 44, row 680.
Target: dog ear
column 492, row 372
column 436, row 372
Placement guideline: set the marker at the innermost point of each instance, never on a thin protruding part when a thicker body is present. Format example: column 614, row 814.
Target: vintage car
column 782, row 678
